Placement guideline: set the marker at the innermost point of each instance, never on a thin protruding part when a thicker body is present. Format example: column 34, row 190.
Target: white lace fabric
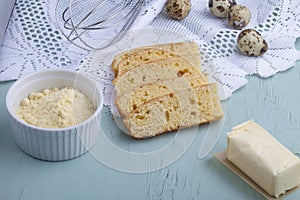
column 33, row 42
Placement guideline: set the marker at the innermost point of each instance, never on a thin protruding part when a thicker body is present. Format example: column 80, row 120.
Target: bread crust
column 213, row 113
column 131, row 100
column 169, row 61
column 185, row 49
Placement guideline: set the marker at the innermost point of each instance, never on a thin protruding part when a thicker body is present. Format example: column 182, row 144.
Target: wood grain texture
column 273, row 103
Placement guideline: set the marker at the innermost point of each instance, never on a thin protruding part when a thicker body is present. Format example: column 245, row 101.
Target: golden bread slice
column 129, row 59
column 137, row 97
column 174, row 111
column 168, row 68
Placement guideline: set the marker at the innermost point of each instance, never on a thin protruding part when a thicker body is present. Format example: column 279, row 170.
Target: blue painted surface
column 273, row 103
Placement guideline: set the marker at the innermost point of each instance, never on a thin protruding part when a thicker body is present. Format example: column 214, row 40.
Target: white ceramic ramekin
column 61, row 143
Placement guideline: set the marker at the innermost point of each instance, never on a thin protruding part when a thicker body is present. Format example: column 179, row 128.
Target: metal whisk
column 83, row 21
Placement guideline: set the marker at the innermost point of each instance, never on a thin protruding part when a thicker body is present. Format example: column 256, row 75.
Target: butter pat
column 261, row 157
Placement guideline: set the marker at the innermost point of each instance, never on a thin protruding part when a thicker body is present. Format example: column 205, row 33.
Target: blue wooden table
column 273, row 103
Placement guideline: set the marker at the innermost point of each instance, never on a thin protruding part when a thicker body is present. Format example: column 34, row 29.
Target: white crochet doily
column 33, row 41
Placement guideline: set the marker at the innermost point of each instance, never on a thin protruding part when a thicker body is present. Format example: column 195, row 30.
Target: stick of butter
column 261, row 157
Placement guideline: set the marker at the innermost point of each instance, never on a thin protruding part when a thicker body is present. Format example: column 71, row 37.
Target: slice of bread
column 129, row 59
column 168, row 68
column 137, row 97
column 172, row 112
column 161, row 88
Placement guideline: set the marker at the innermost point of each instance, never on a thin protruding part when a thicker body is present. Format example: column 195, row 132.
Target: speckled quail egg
column 239, row 16
column 220, row 7
column 251, row 43
column 178, row 9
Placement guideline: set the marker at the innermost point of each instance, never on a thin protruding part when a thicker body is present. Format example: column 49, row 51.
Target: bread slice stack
column 161, row 88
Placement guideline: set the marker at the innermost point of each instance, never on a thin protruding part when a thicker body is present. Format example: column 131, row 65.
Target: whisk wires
column 81, row 17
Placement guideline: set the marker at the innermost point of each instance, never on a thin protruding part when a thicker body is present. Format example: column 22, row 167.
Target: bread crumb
column 55, row 108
